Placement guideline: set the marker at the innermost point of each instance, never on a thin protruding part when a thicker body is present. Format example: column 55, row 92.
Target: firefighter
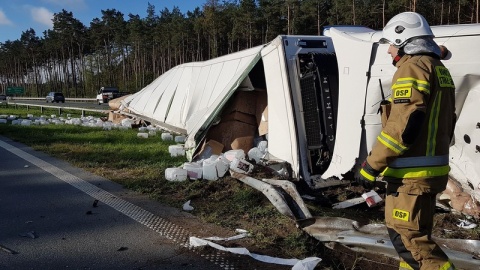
column 411, row 152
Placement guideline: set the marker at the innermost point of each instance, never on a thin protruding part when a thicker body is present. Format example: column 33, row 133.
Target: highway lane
column 54, row 216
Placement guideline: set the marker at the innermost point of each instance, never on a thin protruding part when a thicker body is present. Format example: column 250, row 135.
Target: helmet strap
column 399, row 56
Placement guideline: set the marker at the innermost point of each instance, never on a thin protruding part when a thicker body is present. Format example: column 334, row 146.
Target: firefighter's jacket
column 417, row 124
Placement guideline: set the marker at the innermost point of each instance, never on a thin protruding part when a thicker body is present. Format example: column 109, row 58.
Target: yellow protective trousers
column 409, row 219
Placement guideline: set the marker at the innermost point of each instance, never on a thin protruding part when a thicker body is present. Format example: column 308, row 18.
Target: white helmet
column 405, row 26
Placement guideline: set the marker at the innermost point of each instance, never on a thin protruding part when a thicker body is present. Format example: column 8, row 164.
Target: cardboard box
column 233, row 135
column 239, row 116
column 116, row 118
column 244, row 143
column 209, row 148
column 242, row 101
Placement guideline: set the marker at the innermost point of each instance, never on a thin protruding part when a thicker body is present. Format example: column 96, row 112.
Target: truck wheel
column 105, row 100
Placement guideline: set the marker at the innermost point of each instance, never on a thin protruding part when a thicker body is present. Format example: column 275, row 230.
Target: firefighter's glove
column 366, row 176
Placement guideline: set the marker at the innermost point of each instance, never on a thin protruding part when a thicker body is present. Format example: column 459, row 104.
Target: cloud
column 71, row 4
column 3, row 19
column 42, row 15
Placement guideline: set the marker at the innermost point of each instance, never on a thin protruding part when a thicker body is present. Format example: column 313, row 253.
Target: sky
column 17, row 16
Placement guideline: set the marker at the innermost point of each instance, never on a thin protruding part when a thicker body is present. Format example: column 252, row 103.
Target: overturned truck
column 315, row 99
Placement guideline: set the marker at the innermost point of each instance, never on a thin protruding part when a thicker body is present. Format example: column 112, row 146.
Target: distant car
column 3, row 97
column 55, row 97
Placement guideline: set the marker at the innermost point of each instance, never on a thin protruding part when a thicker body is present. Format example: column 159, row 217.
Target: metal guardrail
column 42, row 107
column 66, row 99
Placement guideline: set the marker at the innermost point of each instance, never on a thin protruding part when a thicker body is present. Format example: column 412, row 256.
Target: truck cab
column 106, row 94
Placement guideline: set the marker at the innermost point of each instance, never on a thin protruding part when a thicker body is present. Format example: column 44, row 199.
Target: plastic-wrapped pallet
column 166, row 136
column 142, row 135
column 209, row 168
column 236, row 153
column 176, row 174
column 255, row 154
column 180, row 138
column 223, row 164
column 176, row 150
column 194, row 170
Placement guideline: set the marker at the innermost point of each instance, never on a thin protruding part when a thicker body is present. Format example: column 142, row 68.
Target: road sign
column 12, row 90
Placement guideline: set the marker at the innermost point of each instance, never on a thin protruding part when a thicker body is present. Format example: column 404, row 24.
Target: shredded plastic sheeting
column 187, row 206
column 241, row 234
column 465, row 224
column 305, row 264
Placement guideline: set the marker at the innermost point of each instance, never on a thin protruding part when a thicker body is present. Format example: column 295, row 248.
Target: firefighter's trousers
column 409, row 219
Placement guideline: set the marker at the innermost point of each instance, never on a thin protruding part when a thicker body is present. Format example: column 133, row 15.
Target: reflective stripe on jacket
column 418, row 167
column 405, row 266
column 421, row 86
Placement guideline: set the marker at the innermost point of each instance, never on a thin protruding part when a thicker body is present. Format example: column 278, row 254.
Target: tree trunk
column 288, row 19
column 318, row 18
column 353, row 12
column 383, row 13
column 441, row 13
column 449, row 12
column 458, row 12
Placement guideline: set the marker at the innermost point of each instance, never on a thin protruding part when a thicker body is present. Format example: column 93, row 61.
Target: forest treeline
column 130, row 51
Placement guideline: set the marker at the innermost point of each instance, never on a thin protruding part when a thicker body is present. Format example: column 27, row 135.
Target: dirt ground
column 218, row 211
column 445, row 219
column 336, row 256
column 445, row 224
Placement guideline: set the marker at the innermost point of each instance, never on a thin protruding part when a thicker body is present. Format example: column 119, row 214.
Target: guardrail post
column 83, row 113
column 41, row 109
column 59, row 111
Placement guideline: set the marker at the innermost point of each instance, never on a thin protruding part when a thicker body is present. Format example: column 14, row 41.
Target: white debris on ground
column 214, row 166
column 87, row 121
column 465, row 224
column 305, row 264
column 187, row 206
column 241, row 234
column 208, row 166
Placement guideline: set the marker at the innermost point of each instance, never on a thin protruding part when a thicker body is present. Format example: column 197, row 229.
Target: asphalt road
column 50, row 219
